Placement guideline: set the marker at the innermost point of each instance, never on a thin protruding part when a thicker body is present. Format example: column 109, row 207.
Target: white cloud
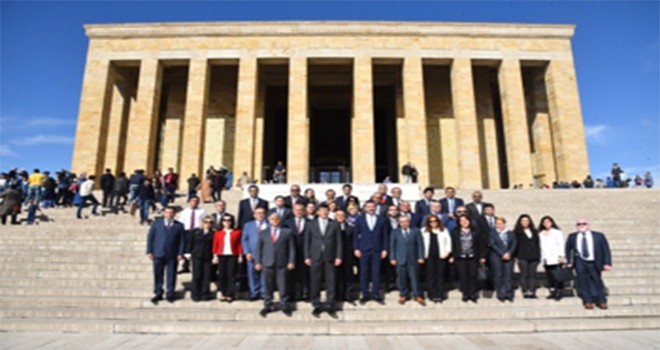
column 48, row 121
column 596, row 133
column 18, row 123
column 5, row 151
column 42, row 139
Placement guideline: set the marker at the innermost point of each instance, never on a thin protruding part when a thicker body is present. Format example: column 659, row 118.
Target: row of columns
column 563, row 133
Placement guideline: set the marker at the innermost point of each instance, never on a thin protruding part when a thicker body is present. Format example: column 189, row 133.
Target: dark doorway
column 330, row 144
column 275, row 128
column 385, row 133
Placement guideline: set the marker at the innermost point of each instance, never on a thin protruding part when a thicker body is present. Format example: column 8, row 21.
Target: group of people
column 302, row 244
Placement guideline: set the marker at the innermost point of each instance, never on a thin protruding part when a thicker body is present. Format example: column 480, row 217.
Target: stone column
column 541, row 135
column 415, row 114
column 143, row 125
column 298, row 124
column 192, row 153
column 566, row 120
column 245, row 117
column 516, row 130
column 363, row 152
column 118, row 103
column 467, row 133
column 490, row 163
column 89, row 148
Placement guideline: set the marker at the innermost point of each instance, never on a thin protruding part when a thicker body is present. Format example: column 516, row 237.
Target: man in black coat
column 107, row 185
column 323, row 251
column 346, row 276
column 275, row 255
column 247, row 206
column 294, row 198
column 299, row 283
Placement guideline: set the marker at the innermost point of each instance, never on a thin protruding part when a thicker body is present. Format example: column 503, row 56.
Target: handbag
column 482, row 272
column 563, row 274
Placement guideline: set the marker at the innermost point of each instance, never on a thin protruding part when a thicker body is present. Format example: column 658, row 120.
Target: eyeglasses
column 582, row 224
column 208, row 221
column 461, row 212
column 436, row 221
column 226, row 220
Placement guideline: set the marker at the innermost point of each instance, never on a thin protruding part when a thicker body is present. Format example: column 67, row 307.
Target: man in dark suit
column 165, row 247
column 502, row 243
column 220, row 212
column 280, row 209
column 299, row 283
column 347, row 190
column 323, row 253
column 275, row 255
column 404, row 210
column 589, row 253
column 370, row 246
column 476, row 207
column 436, row 209
column 385, row 199
column 294, row 198
column 423, row 206
column 345, row 275
column 450, row 202
column 407, row 253
column 381, row 208
column 247, row 206
column 388, row 270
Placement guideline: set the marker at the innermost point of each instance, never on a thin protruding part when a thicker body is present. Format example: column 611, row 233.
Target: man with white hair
column 589, row 253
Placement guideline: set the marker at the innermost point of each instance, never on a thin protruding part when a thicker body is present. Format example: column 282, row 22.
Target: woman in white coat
column 552, row 254
column 437, row 250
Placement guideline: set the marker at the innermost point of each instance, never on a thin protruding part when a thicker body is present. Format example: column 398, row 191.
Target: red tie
column 192, row 219
column 272, row 235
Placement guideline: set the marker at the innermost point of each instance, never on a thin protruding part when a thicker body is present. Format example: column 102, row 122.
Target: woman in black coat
column 528, row 254
column 468, row 251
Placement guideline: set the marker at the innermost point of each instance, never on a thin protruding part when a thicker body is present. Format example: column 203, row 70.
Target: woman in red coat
column 227, row 253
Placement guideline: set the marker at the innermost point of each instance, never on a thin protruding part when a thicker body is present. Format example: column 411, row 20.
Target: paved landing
column 637, row 340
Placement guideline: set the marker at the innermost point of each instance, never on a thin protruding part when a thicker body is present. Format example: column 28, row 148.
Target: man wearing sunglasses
column 589, row 253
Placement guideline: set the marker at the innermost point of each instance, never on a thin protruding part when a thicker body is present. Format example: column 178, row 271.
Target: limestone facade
column 472, row 105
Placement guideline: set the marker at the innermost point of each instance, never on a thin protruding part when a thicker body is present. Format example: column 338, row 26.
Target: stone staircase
column 92, row 275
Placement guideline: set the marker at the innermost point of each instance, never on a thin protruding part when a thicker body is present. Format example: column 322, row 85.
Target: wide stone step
column 400, row 313
column 453, row 302
column 331, row 327
column 7, row 284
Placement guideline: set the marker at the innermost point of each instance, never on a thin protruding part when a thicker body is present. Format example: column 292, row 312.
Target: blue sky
column 616, row 46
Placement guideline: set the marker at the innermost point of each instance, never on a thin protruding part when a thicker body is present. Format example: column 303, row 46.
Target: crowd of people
column 359, row 251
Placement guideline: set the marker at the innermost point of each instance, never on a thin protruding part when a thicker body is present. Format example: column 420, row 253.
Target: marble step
column 331, row 327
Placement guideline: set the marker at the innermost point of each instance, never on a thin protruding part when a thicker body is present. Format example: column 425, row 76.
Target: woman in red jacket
column 228, row 253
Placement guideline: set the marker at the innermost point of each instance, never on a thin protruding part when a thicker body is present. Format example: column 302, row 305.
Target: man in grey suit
column 323, row 251
column 407, row 253
column 275, row 254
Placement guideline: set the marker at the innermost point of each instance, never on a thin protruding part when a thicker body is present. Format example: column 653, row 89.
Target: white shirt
column 86, row 188
column 300, row 224
column 226, row 246
column 528, row 233
column 371, row 221
column 323, row 224
column 590, row 244
column 479, row 207
column 186, row 215
column 443, row 239
column 552, row 246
